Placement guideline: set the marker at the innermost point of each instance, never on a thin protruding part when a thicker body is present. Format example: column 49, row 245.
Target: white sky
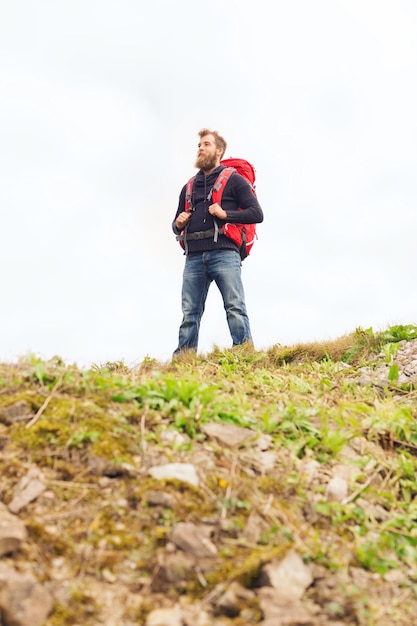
column 100, row 107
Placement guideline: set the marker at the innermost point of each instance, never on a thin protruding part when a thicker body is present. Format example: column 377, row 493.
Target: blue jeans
column 201, row 268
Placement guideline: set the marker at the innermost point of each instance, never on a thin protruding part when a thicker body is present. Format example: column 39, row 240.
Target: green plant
column 80, row 440
column 397, row 333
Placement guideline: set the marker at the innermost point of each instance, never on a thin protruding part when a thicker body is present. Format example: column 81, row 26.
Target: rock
column 193, row 540
column 175, row 471
column 263, row 443
column 173, row 437
column 280, row 612
column 17, row 412
column 160, row 498
column 310, row 470
column 12, row 532
column 255, row 526
column 228, row 434
column 233, row 600
column 29, row 488
column 289, row 577
column 347, row 472
column 374, row 510
column 195, row 615
column 165, row 617
column 364, row 379
column 173, row 569
column 395, row 576
column 361, row 578
column 349, row 451
column 337, row 489
column 264, row 462
column 341, row 365
column 102, row 467
column 23, row 601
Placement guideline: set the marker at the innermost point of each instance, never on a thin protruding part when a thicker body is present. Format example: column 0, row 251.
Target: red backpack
column 243, row 235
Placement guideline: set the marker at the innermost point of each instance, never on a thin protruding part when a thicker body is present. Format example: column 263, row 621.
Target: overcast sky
column 101, row 102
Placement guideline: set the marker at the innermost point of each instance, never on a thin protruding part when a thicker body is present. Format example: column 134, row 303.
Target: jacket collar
column 212, row 176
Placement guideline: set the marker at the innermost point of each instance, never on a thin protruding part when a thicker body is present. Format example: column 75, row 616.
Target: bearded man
column 210, row 254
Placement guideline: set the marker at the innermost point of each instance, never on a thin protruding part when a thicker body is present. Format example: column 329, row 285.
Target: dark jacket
column 237, row 194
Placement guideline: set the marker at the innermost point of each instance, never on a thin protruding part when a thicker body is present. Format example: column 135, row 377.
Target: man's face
column 208, row 156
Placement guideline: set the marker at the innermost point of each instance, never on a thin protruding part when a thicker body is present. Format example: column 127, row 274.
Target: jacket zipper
column 205, row 199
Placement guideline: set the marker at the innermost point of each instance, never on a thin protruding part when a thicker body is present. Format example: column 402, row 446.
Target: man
column 211, row 257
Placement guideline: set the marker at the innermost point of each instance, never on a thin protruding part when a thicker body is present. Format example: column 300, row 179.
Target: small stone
column 165, row 617
column 29, row 488
column 337, row 489
column 347, row 472
column 394, row 576
column 195, row 615
column 12, row 532
column 310, row 470
column 23, row 601
column 374, row 510
column 175, row 471
column 173, row 437
column 228, row 434
column 265, row 461
column 231, row 602
column 281, row 612
column 17, row 412
column 341, row 365
column 190, row 538
column 254, row 528
column 289, row 577
column 173, row 569
column 160, row 498
column 263, row 443
column 102, row 467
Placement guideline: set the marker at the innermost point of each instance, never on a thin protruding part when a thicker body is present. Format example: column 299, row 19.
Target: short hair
column 218, row 139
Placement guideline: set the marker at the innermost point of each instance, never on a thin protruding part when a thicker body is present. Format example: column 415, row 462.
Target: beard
column 206, row 162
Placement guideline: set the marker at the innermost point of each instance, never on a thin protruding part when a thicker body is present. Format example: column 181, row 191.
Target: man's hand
column 182, row 219
column 217, row 211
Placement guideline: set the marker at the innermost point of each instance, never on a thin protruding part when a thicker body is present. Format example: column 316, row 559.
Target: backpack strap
column 216, row 193
column 188, row 206
column 189, row 195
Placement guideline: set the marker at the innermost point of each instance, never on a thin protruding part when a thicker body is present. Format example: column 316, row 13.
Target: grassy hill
column 173, row 493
